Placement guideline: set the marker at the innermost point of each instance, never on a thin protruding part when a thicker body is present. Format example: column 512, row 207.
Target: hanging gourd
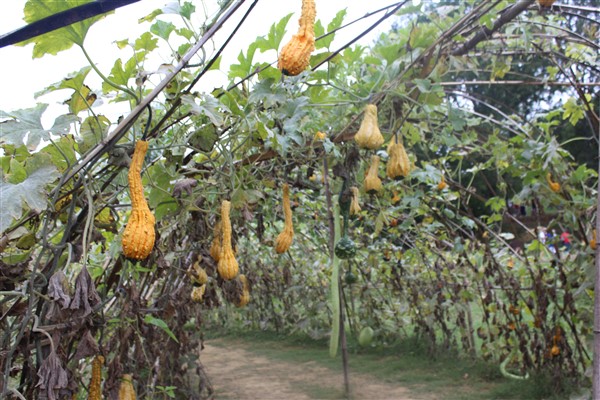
column 197, row 274
column 372, row 182
column 126, row 389
column 284, row 240
column 295, row 55
column 198, row 293
column 354, row 205
column 138, row 237
column 398, row 165
column 245, row 295
column 442, row 185
column 228, row 265
column 593, row 241
column 215, row 247
column 554, row 186
column 95, row 391
column 368, row 135
column 320, row 136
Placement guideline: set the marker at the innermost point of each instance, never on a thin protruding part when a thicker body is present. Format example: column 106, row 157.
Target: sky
column 21, row 76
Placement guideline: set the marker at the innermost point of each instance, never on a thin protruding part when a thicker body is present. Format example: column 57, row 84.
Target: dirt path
column 237, row 373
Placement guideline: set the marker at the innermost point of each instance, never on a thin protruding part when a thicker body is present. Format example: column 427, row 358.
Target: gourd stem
column 225, row 225
column 307, row 18
column 138, row 200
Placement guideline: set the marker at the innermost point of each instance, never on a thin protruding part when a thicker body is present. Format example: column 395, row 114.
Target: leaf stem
column 105, row 79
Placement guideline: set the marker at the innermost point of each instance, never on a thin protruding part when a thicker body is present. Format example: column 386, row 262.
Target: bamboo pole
column 596, row 376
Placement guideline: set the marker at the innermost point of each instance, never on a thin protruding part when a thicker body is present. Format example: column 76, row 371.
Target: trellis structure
column 139, row 314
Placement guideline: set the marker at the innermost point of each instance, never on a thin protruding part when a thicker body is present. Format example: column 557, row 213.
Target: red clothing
column 565, row 237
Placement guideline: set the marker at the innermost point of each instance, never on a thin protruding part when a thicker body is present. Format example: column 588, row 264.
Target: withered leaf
column 57, row 286
column 52, row 376
column 87, row 346
column 186, row 185
column 85, row 293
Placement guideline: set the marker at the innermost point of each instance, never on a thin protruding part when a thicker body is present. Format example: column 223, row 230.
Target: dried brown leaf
column 87, row 346
column 57, row 286
column 85, row 293
column 52, row 376
column 184, row 185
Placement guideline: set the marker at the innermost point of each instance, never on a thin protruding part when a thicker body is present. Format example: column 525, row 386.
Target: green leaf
column 335, row 23
column 187, row 9
column 573, row 112
column 273, row 39
column 151, row 16
column 149, row 319
column 120, row 74
column 81, row 100
column 146, row 42
column 209, row 106
column 31, row 190
column 244, row 68
column 162, row 29
column 92, row 131
column 16, row 172
column 27, row 123
column 60, row 39
column 73, row 81
column 61, row 152
column 204, row 138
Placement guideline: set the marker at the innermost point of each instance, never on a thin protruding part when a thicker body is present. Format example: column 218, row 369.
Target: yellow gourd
column 295, row 55
column 198, row 274
column 368, row 135
column 215, row 247
column 442, row 185
column 372, row 182
column 126, row 390
column 245, row 296
column 320, row 136
column 354, row 204
column 554, row 186
column 138, row 237
column 593, row 241
column 228, row 266
column 198, row 293
column 285, row 238
column 95, row 392
column 398, row 164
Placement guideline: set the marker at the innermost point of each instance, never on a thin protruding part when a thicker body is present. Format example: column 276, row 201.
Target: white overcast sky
column 21, row 76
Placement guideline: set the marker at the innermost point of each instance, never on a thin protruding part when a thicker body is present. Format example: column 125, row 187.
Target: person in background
column 564, row 239
column 542, row 234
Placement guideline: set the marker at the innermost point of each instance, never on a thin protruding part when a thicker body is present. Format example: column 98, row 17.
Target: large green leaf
column 31, row 190
column 276, row 33
column 335, row 23
column 25, row 126
column 73, row 81
column 60, row 39
column 92, row 131
column 209, row 106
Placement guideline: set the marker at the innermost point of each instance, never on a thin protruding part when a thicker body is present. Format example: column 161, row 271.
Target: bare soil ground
column 238, row 373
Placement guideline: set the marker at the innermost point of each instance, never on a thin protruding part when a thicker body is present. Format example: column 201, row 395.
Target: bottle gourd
column 228, row 266
column 372, row 182
column 295, row 55
column 138, row 237
column 398, row 165
column 285, row 238
column 368, row 135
